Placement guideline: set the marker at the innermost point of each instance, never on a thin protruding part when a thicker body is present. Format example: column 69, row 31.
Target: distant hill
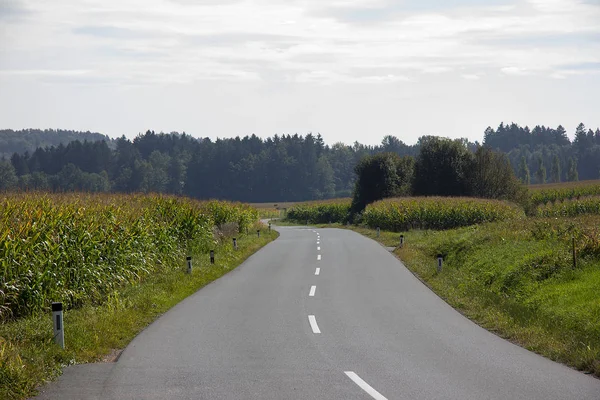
column 30, row 139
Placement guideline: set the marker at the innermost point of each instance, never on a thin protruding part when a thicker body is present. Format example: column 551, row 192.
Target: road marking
column 319, row 257
column 365, row 386
column 312, row 291
column 317, row 271
column 318, row 248
column 313, row 324
column 318, row 242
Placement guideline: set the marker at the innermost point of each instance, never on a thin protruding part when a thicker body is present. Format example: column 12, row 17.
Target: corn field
column 570, row 208
column 322, row 212
column 78, row 248
column 402, row 214
column 544, row 194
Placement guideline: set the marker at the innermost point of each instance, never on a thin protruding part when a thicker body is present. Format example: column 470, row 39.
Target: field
column 408, row 212
column 543, row 194
column 115, row 261
column 320, row 212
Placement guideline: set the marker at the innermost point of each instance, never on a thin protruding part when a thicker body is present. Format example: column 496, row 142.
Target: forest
column 251, row 169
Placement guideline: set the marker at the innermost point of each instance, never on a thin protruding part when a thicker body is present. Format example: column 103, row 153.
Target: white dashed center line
column 317, row 271
column 319, row 257
column 312, row 291
column 319, row 248
column 313, row 324
column 365, row 386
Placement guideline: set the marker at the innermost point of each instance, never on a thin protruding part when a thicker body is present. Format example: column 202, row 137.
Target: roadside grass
column 97, row 333
column 514, row 282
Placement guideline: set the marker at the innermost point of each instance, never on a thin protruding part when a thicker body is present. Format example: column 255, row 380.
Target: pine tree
column 572, row 174
column 555, row 169
column 540, row 174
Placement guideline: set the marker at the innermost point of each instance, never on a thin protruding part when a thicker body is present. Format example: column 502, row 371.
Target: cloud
column 584, row 66
column 347, row 41
column 13, row 10
column 515, row 71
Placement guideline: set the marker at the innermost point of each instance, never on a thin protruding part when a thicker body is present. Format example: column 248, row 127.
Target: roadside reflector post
column 440, row 262
column 401, row 241
column 307, row 222
column 258, row 232
column 235, row 243
column 59, row 328
column 189, row 264
column 212, row 256
column 378, row 231
column 269, row 225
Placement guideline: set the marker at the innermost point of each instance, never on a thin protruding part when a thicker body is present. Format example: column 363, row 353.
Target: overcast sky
column 353, row 70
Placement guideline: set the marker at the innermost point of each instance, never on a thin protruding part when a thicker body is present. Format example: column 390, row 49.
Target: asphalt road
column 321, row 314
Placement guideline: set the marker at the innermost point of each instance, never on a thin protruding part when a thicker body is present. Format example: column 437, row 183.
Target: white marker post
column 378, row 231
column 189, row 264
column 235, row 243
column 401, row 241
column 258, row 232
column 59, row 329
column 269, row 226
column 212, row 256
column 440, row 262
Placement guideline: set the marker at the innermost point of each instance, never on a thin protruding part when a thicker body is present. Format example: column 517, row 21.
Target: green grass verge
column 514, row 282
column 94, row 333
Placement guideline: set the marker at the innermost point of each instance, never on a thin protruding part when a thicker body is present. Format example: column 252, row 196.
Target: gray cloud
column 13, row 10
column 587, row 66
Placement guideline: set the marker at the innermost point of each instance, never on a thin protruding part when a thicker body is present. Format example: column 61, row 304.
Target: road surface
column 321, row 314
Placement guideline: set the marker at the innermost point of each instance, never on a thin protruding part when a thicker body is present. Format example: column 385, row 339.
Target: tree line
column 443, row 167
column 280, row 168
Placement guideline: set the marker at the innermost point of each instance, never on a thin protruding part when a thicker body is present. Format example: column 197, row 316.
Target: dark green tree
column 381, row 176
column 8, row 177
column 555, row 169
column 491, row 176
column 441, row 167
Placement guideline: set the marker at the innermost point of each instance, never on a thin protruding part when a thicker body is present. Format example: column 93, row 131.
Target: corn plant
column 78, row 248
column 402, row 214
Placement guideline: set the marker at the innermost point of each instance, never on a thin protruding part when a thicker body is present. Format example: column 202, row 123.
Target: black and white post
column 258, row 232
column 212, row 256
column 59, row 328
column 235, row 243
column 440, row 262
column 378, row 231
column 189, row 264
column 401, row 241
column 269, row 225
